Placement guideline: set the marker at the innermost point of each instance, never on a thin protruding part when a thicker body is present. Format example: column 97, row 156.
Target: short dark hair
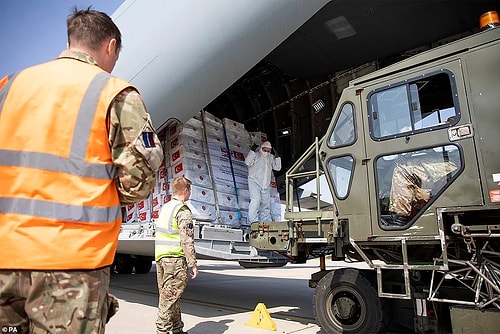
column 91, row 28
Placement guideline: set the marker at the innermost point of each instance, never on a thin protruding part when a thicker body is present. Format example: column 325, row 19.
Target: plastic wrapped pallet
column 211, row 153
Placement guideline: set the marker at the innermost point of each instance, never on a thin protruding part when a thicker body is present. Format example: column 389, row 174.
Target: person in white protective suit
column 261, row 164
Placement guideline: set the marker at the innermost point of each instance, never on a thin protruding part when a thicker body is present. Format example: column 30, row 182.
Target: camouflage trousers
column 45, row 302
column 172, row 277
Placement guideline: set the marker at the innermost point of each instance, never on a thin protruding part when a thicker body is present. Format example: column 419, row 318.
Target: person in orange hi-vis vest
column 76, row 145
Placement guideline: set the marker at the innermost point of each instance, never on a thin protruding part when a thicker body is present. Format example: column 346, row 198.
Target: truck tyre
column 143, row 264
column 123, row 264
column 345, row 301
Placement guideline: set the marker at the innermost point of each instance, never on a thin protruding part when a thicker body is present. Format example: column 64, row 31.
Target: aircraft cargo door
column 414, row 162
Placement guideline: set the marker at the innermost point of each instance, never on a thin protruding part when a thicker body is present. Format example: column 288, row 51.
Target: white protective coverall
column 260, row 166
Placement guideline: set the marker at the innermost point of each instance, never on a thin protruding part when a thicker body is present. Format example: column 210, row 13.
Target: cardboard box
column 202, row 210
column 162, row 173
column 157, row 201
column 235, row 141
column 214, row 129
column 223, row 175
column 202, row 194
column 230, row 218
column 215, row 141
column 208, row 117
column 226, row 200
column 243, row 202
column 243, row 198
column 225, row 188
column 192, row 128
column 231, row 125
column 165, row 187
column 160, row 186
column 186, row 141
column 144, row 216
column 130, row 217
column 155, row 213
column 224, row 165
column 197, row 178
column 166, row 198
column 229, row 189
column 239, row 138
column 258, row 137
column 244, row 193
column 184, row 152
column 218, row 150
column 189, row 164
column 245, row 224
column 144, row 205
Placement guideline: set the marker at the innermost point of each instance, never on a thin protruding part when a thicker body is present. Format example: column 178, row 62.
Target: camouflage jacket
column 129, row 124
column 186, row 234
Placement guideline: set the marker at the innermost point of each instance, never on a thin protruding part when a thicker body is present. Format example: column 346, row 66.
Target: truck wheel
column 345, row 301
column 143, row 264
column 123, row 264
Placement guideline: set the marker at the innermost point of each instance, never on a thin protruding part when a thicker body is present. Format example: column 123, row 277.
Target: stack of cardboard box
column 212, row 156
column 211, row 153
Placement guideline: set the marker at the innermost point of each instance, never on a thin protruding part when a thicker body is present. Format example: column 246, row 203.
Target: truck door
column 342, row 153
column 415, row 164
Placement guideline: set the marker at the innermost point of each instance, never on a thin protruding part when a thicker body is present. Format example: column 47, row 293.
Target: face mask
column 266, row 154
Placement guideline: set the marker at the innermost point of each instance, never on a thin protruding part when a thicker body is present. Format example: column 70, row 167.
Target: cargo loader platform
column 136, row 247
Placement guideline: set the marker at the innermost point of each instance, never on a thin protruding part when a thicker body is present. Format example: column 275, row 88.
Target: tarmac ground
column 223, row 299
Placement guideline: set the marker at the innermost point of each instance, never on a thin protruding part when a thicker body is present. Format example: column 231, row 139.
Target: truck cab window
column 340, row 171
column 419, row 105
column 408, row 181
column 343, row 131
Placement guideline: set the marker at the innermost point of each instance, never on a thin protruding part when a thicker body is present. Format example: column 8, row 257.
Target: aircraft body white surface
column 182, row 54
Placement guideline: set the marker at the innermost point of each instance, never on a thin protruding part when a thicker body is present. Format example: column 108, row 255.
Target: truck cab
column 407, row 180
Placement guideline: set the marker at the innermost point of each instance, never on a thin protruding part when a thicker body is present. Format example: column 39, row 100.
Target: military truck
column 406, row 180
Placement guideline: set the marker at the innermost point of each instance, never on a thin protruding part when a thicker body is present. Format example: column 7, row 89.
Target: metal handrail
column 295, row 173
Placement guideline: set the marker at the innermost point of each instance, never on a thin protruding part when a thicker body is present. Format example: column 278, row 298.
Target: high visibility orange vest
column 59, row 204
